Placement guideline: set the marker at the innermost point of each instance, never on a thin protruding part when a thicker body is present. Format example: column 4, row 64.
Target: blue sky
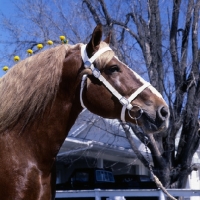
column 7, row 9
column 6, row 6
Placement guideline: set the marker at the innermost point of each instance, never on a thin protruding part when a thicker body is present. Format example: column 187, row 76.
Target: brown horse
column 41, row 97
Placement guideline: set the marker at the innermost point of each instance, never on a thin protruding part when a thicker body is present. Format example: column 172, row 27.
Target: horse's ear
column 93, row 45
column 108, row 39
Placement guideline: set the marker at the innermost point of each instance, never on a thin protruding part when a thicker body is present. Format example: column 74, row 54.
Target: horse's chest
column 21, row 178
column 24, row 183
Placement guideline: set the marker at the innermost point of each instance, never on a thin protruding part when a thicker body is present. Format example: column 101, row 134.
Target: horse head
column 113, row 90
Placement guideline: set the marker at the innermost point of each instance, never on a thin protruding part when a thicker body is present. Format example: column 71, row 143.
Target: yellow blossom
column 39, row 46
column 62, row 37
column 5, row 68
column 16, row 58
column 49, row 42
column 30, row 51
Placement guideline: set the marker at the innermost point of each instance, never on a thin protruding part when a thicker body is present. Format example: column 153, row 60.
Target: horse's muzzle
column 158, row 123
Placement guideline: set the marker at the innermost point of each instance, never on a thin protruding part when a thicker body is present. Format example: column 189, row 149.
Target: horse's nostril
column 163, row 112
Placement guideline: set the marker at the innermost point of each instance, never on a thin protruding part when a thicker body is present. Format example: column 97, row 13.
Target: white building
column 97, row 142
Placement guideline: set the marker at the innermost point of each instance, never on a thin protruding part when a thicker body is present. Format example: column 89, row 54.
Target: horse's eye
column 114, row 68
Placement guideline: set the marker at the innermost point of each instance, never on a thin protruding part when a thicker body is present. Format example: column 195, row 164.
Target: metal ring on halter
column 141, row 111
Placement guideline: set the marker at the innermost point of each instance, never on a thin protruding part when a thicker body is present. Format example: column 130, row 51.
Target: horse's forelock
column 104, row 58
column 30, row 86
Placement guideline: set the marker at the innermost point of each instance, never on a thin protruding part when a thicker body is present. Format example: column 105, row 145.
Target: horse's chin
column 150, row 126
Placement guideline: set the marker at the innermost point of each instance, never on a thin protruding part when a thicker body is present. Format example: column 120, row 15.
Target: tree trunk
column 170, row 165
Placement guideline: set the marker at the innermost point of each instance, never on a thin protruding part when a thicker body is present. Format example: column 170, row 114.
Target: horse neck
column 46, row 134
column 50, row 132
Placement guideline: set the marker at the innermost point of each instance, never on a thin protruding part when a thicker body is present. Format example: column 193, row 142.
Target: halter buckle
column 129, row 106
column 124, row 101
column 87, row 64
column 96, row 73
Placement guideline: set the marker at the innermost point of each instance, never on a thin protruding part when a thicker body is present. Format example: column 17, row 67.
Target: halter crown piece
column 88, row 63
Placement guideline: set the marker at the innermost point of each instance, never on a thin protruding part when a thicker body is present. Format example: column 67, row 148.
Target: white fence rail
column 98, row 193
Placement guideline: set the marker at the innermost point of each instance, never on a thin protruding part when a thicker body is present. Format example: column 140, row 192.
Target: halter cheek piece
column 126, row 103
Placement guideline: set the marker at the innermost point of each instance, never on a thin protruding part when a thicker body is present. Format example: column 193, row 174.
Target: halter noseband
column 126, row 103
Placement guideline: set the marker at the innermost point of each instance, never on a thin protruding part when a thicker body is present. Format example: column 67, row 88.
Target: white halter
column 88, row 63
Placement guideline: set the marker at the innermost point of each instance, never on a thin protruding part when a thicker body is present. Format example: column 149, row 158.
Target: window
column 144, row 178
column 104, row 176
column 81, row 176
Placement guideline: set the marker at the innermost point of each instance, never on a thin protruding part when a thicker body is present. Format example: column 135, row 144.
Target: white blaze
column 152, row 89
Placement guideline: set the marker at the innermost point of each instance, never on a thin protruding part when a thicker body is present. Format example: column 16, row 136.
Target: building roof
column 94, row 134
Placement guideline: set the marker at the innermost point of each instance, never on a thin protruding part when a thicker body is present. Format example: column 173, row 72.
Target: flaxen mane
column 32, row 84
column 29, row 86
